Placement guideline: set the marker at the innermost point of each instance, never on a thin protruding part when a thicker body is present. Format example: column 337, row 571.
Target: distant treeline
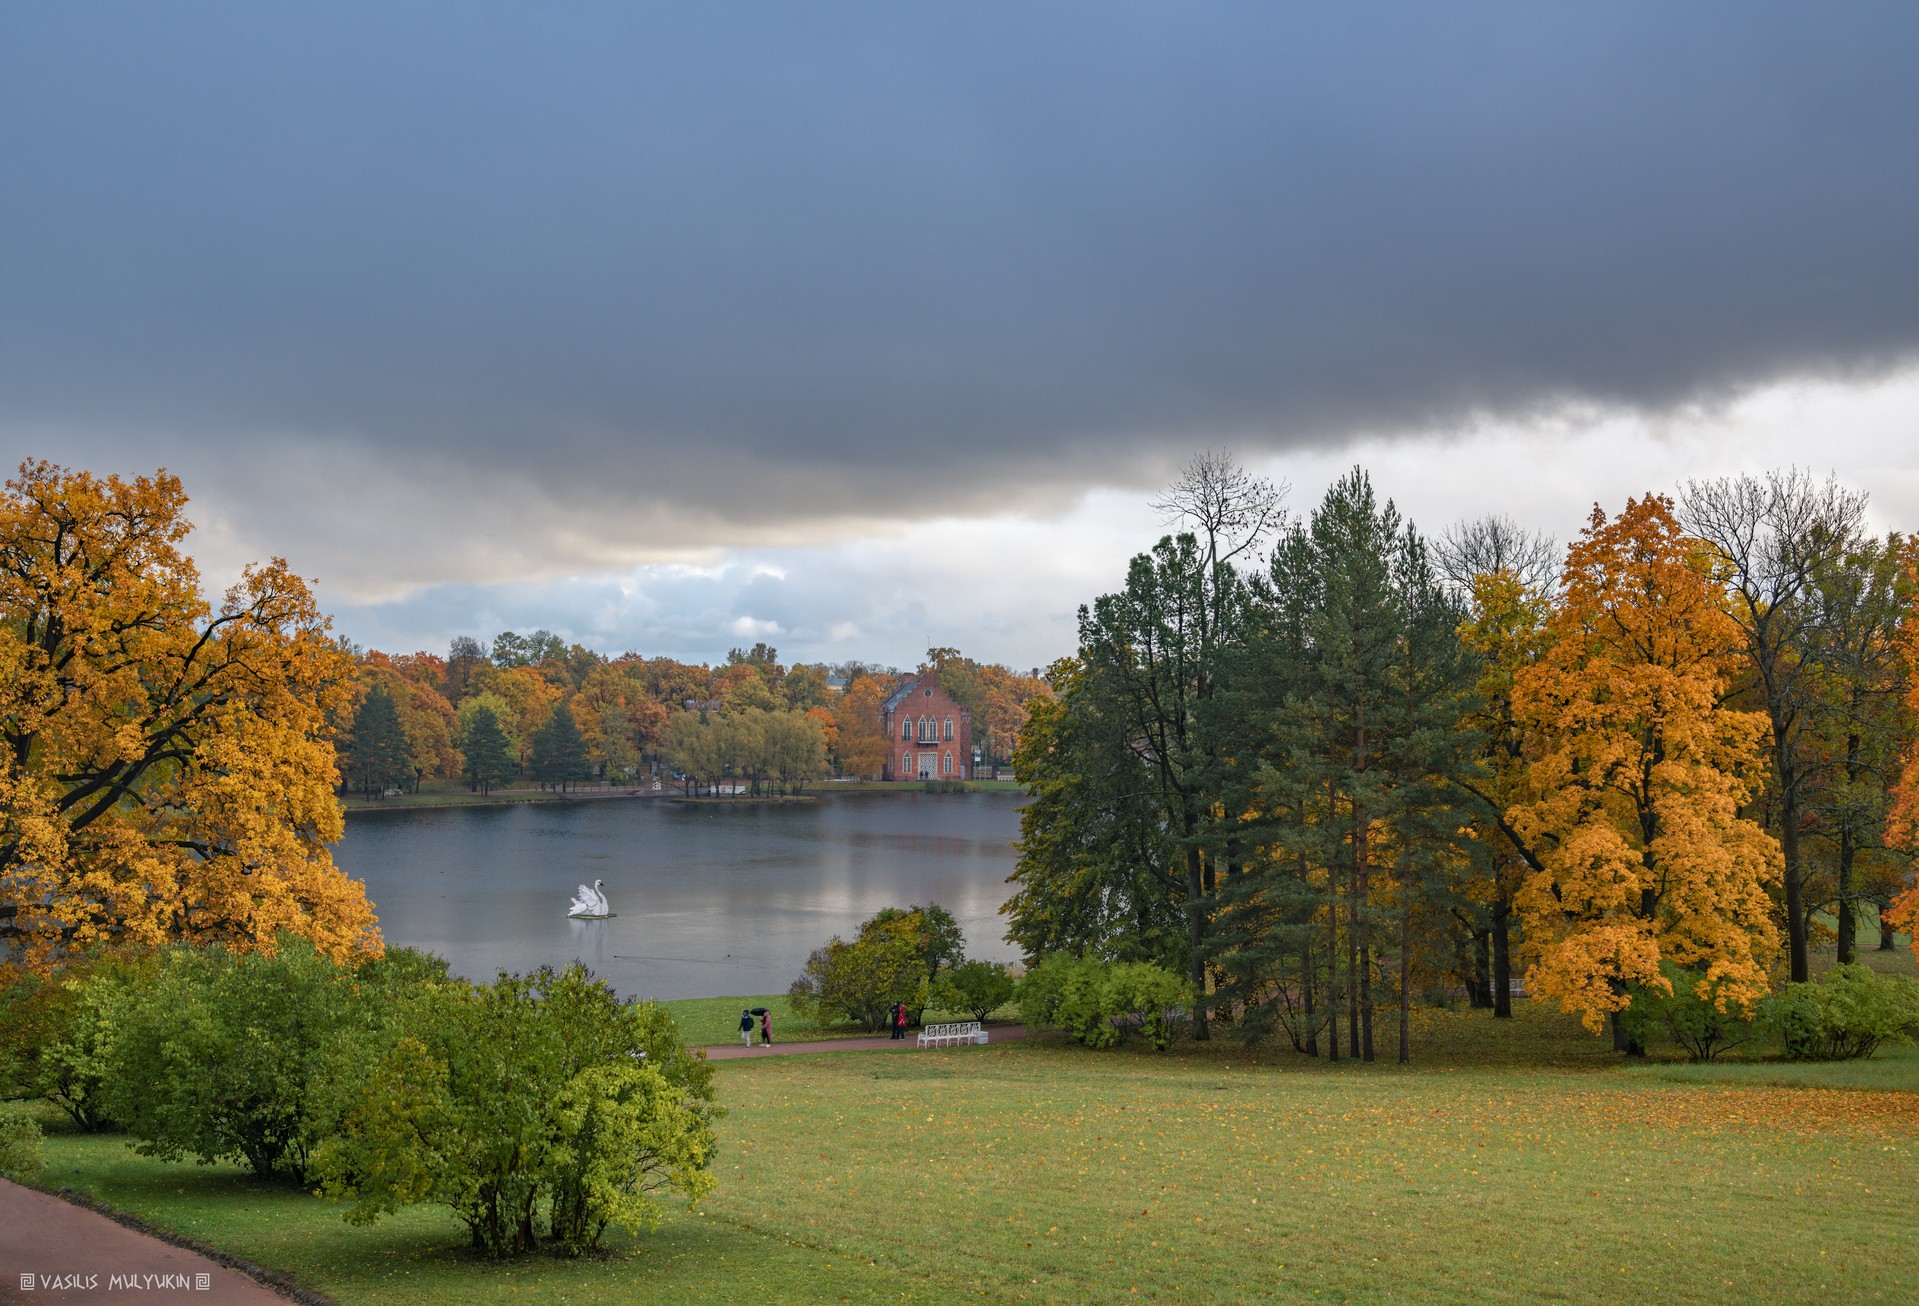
column 534, row 707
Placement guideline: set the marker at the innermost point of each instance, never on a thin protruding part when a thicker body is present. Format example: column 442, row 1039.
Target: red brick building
column 930, row 737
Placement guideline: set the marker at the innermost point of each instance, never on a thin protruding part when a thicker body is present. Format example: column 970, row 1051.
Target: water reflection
column 709, row 899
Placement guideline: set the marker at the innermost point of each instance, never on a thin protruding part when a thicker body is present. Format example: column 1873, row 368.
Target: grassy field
column 1516, row 1163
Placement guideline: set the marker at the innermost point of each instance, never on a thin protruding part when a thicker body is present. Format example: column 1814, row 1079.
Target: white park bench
column 942, row 1036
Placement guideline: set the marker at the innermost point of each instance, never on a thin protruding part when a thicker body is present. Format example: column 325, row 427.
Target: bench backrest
column 963, row 1027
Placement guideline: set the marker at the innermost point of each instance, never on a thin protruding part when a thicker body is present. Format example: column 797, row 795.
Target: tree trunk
column 1196, row 934
column 1306, row 994
column 1352, row 973
column 1623, row 1041
column 1405, row 976
column 1795, row 872
column 1848, row 918
column 1361, row 934
column 1502, row 960
column 1481, row 991
column 1332, row 964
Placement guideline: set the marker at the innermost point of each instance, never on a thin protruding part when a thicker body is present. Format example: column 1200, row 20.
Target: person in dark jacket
column 746, row 1027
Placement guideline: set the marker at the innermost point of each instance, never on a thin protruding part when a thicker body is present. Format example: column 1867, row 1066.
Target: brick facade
column 929, row 736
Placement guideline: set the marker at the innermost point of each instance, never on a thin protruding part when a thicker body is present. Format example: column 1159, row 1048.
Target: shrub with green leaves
column 216, row 1058
column 20, row 1154
column 535, row 1097
column 978, row 988
column 1102, row 1003
column 1693, row 1010
column 78, row 1017
column 1845, row 1014
column 860, row 981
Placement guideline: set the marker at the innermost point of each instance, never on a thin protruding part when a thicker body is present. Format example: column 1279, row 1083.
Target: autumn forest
column 1328, row 767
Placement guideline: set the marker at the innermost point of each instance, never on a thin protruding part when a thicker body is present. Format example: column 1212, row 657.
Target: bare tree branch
column 1228, row 508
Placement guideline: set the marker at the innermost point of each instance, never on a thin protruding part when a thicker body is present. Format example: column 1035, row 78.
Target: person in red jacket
column 899, row 1020
column 766, row 1029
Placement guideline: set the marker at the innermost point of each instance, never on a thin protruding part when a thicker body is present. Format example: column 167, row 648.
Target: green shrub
column 539, row 1095
column 1102, row 1003
column 1847, row 1013
column 217, row 1057
column 978, row 988
column 82, row 1015
column 20, row 1154
column 860, row 981
column 1695, row 1014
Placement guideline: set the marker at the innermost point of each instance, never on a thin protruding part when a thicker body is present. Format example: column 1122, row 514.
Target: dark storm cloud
column 621, row 277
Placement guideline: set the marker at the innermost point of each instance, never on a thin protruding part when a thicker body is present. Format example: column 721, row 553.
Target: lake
column 711, row 898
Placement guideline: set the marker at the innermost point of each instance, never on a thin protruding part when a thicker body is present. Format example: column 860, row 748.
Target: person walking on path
column 766, row 1029
column 746, row 1027
column 899, row 1020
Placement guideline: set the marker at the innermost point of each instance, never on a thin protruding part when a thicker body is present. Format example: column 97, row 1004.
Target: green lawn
column 1517, row 1163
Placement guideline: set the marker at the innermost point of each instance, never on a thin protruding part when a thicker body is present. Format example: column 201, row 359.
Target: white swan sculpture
column 590, row 904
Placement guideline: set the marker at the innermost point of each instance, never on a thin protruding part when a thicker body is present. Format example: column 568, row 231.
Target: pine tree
column 377, row 755
column 559, row 750
column 489, row 757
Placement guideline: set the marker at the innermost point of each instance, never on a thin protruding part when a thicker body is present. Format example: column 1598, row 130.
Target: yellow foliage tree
column 860, row 729
column 1902, row 826
column 166, row 769
column 1638, row 772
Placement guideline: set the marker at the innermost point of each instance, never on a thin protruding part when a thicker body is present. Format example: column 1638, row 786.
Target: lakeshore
column 447, row 797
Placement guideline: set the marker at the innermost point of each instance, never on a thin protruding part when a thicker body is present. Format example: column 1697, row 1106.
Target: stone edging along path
column 64, row 1239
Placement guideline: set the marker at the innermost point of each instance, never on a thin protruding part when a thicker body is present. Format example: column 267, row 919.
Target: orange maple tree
column 1636, row 777
column 166, row 767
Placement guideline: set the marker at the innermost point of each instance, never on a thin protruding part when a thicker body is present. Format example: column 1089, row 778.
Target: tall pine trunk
column 1196, row 930
column 1405, row 975
column 1332, row 964
column 1361, row 904
column 1306, row 993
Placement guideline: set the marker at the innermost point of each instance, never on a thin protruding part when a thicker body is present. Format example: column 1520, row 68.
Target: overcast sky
column 862, row 328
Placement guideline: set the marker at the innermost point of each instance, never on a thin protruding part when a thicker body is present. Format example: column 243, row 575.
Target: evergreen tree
column 377, row 755
column 489, row 757
column 559, row 750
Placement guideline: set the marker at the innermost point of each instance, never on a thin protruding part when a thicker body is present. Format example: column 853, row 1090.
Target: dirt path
column 53, row 1251
column 730, row 1051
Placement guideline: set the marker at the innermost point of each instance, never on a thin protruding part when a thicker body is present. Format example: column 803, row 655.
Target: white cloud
column 1007, row 587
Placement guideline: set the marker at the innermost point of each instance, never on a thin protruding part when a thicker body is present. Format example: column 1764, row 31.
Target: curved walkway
column 731, row 1051
column 55, row 1251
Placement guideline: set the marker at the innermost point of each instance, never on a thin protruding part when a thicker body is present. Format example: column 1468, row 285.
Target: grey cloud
column 511, row 291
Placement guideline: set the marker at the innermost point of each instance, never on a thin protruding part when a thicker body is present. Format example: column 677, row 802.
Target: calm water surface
column 711, row 899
